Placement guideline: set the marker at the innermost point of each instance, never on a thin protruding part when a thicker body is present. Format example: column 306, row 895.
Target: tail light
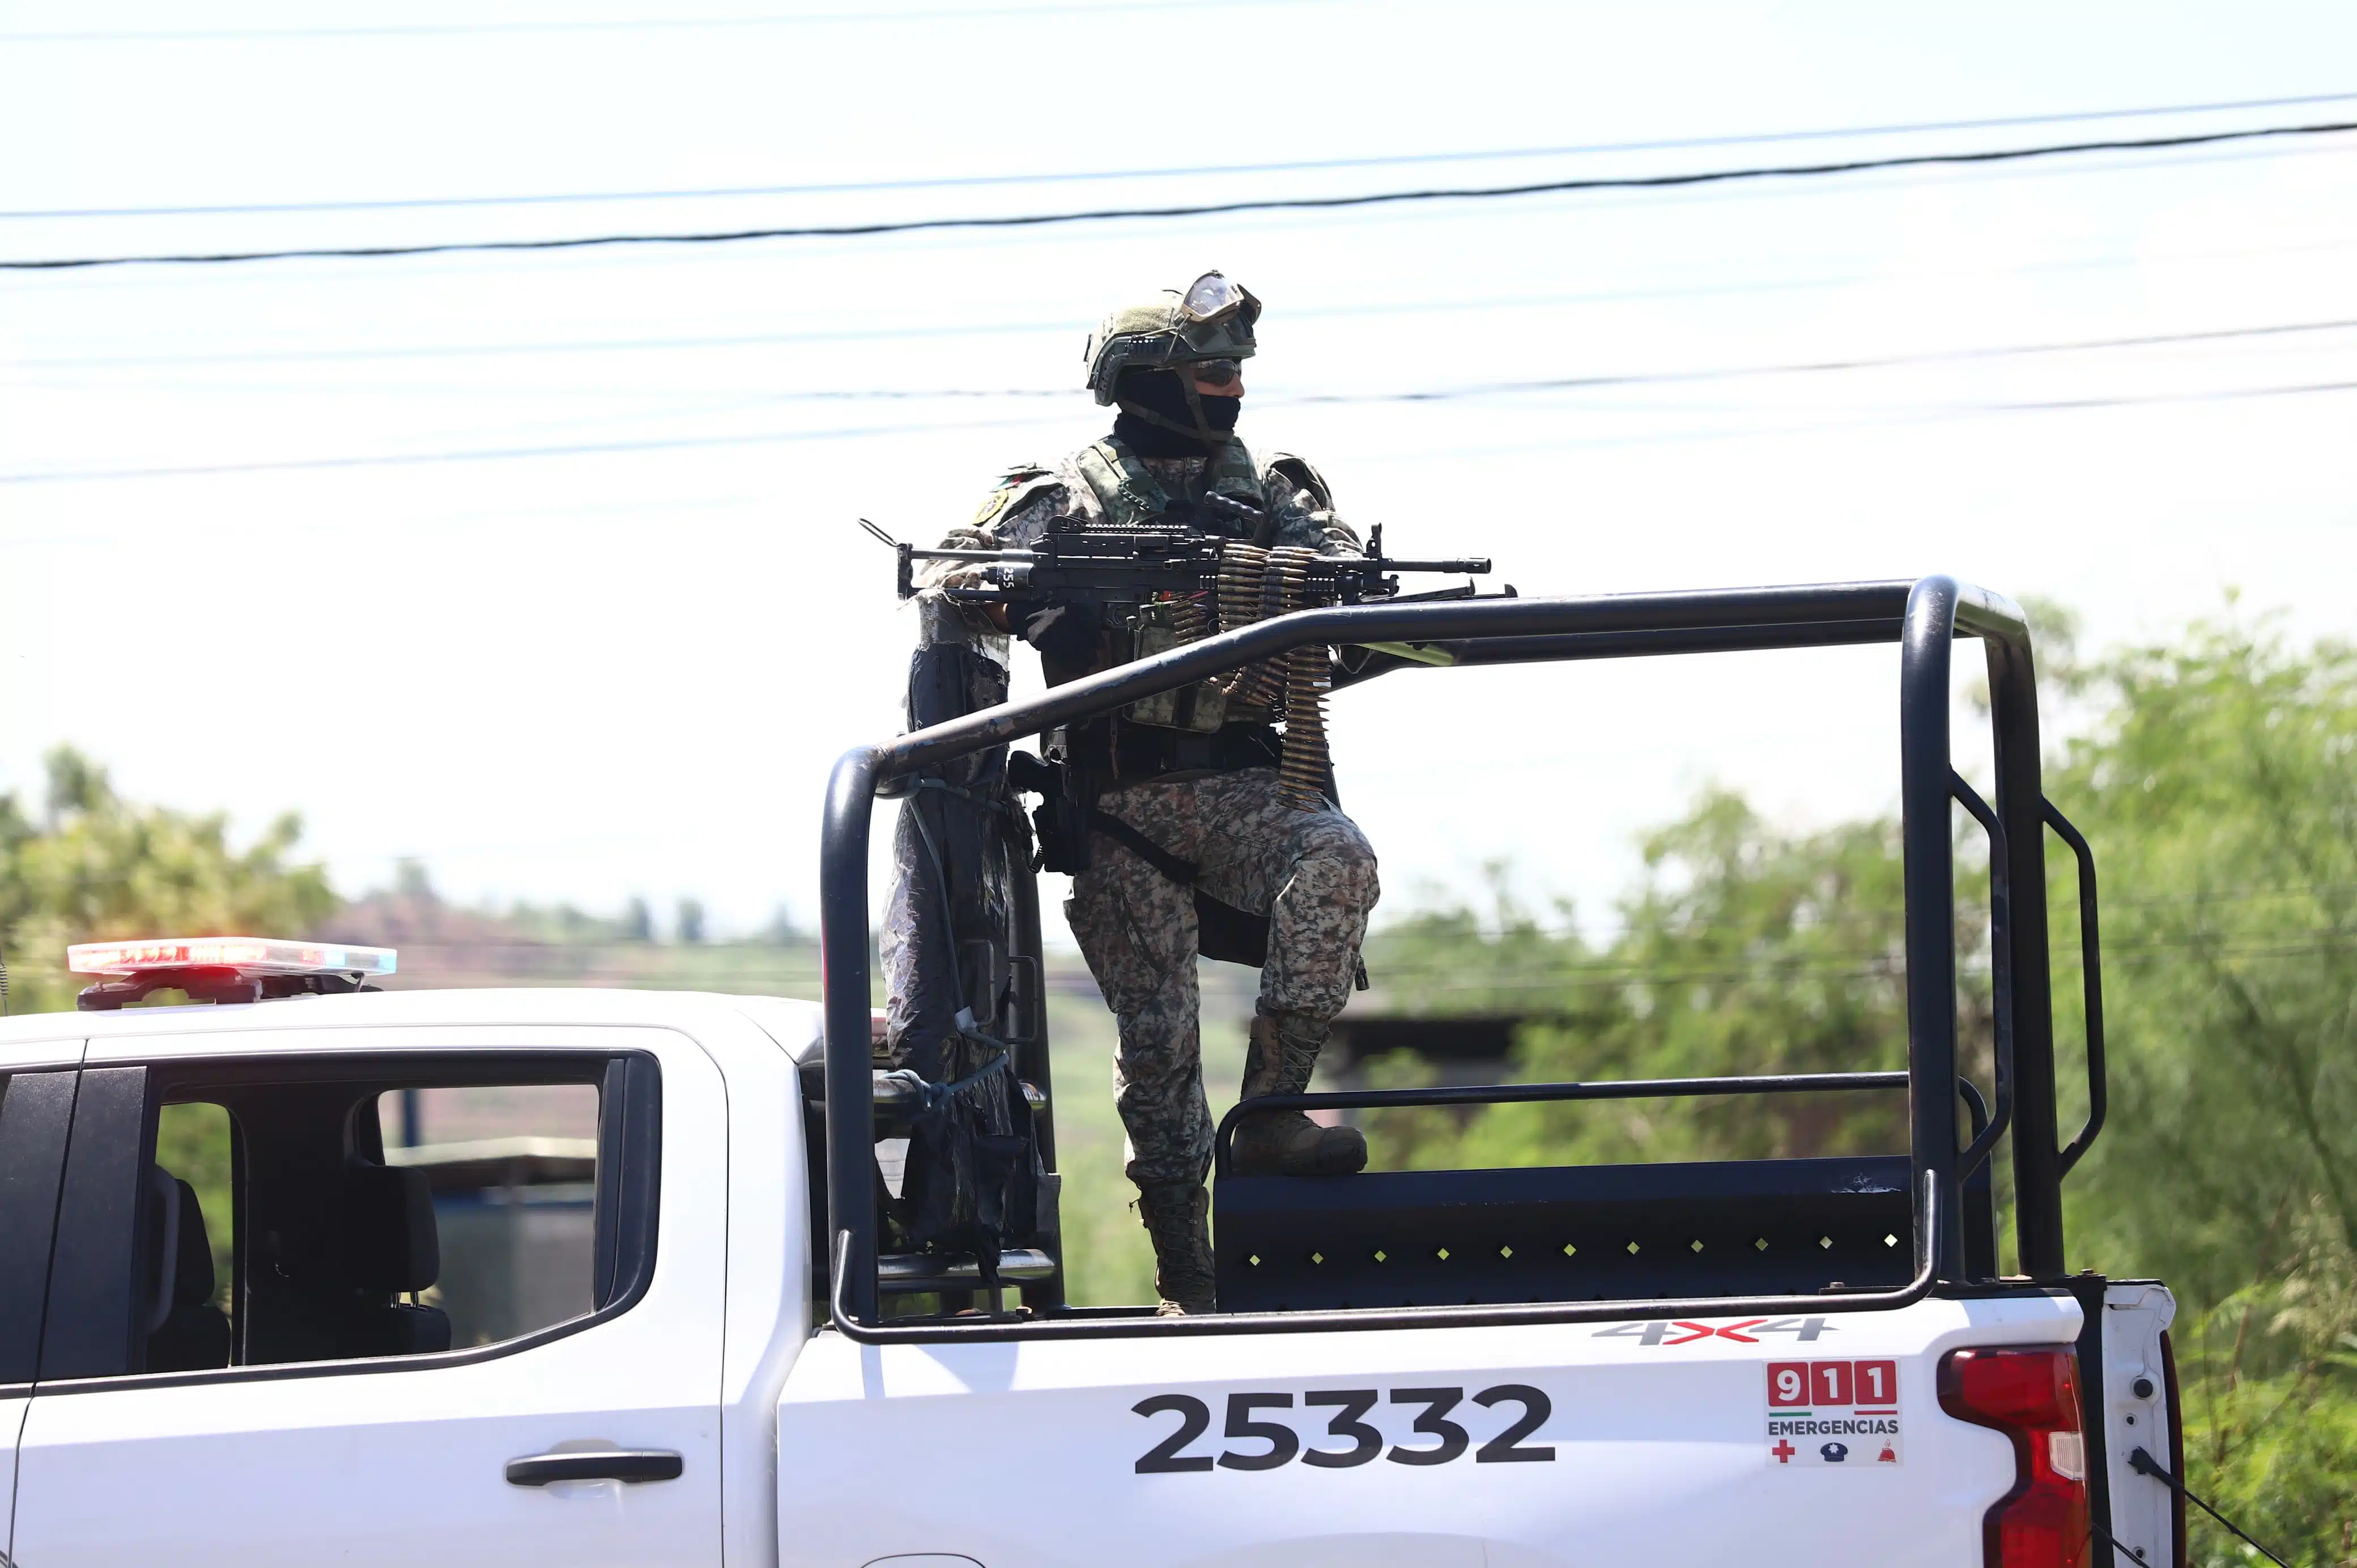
column 2031, row 1396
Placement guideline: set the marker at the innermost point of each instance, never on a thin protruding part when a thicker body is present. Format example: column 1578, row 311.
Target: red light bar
column 247, row 955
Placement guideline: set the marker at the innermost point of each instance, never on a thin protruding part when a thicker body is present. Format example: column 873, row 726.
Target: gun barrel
column 1469, row 565
column 985, row 556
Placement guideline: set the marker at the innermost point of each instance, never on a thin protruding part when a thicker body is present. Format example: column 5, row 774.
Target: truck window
column 351, row 1209
column 192, row 1141
column 512, row 1170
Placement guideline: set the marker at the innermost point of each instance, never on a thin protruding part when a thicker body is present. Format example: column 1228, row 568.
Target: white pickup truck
column 1801, row 1362
column 710, row 1416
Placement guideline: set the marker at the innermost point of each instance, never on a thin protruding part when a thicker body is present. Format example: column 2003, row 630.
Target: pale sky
column 587, row 674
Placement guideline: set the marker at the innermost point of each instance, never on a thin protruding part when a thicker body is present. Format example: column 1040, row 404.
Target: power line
column 2230, row 394
column 1499, row 154
column 1012, row 328
column 504, row 454
column 1556, row 383
column 1565, row 383
column 771, row 438
column 661, row 23
column 571, row 346
column 1196, row 209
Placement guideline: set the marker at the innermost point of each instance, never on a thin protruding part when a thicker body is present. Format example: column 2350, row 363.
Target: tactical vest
column 1131, row 496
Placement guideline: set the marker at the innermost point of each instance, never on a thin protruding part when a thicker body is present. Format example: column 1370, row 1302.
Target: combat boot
column 1281, row 1056
column 1178, row 1216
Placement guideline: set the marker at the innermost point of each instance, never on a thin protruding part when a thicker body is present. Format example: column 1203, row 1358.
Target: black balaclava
column 1159, row 415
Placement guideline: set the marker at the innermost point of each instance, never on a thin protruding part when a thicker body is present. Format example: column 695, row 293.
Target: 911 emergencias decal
column 1834, row 1412
column 1269, row 1443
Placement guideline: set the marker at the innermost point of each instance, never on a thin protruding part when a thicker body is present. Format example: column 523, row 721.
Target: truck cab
column 346, row 1388
column 264, row 1299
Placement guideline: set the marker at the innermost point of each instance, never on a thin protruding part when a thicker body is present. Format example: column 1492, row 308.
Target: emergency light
column 244, row 955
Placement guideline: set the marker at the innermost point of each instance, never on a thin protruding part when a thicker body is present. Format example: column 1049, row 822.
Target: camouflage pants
column 1312, row 873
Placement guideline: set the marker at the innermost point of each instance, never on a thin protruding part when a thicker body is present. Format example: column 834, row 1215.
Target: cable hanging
column 781, row 437
column 1195, row 171
column 1199, row 209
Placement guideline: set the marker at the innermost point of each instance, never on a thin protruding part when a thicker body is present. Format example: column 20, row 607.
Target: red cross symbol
column 1783, row 1452
column 1704, row 1331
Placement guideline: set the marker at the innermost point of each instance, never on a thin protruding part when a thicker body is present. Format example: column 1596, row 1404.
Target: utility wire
column 1937, row 356
column 1496, row 154
column 1014, row 328
column 501, row 453
column 769, row 438
column 1556, row 383
column 1199, row 209
column 630, row 25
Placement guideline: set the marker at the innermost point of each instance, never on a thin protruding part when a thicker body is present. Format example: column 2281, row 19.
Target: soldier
column 1187, row 812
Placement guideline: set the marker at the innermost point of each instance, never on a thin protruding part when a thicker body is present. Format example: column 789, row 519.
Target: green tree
column 2218, row 789
column 2220, row 793
column 1743, row 950
column 2213, row 775
column 94, row 865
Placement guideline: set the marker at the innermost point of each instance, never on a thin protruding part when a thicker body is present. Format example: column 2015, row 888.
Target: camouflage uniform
column 1018, row 514
column 1313, row 873
column 1198, row 794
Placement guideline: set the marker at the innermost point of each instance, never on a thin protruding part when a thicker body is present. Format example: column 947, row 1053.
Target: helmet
column 1212, row 320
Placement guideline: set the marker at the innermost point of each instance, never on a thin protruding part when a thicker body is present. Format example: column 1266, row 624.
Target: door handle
column 596, row 1465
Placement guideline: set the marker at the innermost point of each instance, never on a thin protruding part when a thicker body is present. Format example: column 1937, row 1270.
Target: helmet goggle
column 1206, row 330
column 1213, row 297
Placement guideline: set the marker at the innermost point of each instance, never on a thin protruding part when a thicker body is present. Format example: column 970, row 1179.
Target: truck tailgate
column 1797, row 1440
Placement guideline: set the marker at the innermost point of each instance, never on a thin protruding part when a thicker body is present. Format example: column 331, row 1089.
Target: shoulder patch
column 992, row 505
column 1014, row 491
column 1019, row 481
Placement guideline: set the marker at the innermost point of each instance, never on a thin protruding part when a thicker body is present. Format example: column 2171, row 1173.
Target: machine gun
column 1186, row 553
column 1098, row 562
column 1172, row 581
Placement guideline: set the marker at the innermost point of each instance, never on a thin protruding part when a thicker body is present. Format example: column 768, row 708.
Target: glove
column 1231, row 516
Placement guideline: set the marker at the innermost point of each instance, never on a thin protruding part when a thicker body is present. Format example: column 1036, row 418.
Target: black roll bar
column 1542, row 1093
column 1469, row 652
column 2092, row 978
column 1984, row 1130
column 1925, row 616
column 1987, row 1134
column 1928, row 1220
column 1938, row 609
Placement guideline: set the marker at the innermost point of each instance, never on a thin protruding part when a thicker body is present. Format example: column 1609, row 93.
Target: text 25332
column 1268, row 1444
